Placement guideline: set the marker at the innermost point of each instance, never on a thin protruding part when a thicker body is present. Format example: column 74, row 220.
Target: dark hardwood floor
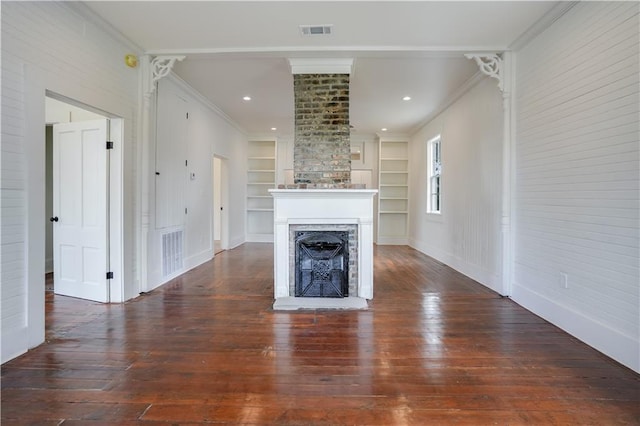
column 434, row 348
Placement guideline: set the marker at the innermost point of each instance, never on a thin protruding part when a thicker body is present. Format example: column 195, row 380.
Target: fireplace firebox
column 322, row 264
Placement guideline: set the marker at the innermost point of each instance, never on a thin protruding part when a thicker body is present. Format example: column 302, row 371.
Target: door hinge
column 109, row 145
column 109, row 275
column 186, row 163
column 185, row 210
column 187, row 116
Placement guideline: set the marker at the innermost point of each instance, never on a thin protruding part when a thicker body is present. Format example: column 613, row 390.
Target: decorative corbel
column 160, row 67
column 490, row 64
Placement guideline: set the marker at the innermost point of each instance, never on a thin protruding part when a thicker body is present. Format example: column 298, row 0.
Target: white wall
column 466, row 234
column 49, row 46
column 197, row 139
column 577, row 177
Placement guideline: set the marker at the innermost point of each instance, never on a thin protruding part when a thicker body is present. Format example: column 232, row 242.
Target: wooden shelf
column 261, row 175
column 393, row 199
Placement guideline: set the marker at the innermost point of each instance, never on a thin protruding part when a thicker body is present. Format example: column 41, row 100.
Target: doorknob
column 53, row 219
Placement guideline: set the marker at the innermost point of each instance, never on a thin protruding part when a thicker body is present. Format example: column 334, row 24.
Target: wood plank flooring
column 434, row 348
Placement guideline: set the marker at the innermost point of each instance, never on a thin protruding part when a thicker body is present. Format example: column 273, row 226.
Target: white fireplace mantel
column 322, row 207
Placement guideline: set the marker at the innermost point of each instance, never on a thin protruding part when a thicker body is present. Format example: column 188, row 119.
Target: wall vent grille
column 314, row 30
column 171, row 252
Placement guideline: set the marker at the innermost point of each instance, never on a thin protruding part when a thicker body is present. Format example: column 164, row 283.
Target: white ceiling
column 238, row 48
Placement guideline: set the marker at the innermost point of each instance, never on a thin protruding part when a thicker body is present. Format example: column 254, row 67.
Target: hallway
column 435, row 347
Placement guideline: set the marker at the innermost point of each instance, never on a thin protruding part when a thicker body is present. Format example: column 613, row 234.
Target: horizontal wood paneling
column 466, row 234
column 54, row 46
column 577, row 174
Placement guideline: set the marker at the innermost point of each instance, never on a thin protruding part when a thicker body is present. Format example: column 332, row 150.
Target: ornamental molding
column 160, row 67
column 490, row 64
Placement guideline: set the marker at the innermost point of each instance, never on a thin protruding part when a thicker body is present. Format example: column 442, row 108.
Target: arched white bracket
column 490, row 64
column 161, row 67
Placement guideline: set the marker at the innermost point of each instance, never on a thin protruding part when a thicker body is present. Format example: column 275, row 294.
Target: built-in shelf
column 261, row 176
column 393, row 198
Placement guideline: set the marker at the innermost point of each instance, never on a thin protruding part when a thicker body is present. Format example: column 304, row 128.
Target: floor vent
column 171, row 253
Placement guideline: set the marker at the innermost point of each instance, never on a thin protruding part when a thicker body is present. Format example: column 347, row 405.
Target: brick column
column 322, row 153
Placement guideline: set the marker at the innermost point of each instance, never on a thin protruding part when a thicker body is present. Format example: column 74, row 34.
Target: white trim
column 196, row 260
column 610, row 341
column 542, row 24
column 429, row 210
column 236, row 242
column 34, row 152
column 321, row 65
column 84, row 11
column 15, row 343
column 327, row 49
column 116, row 211
column 392, row 137
column 457, row 94
column 205, row 102
column 475, row 272
column 259, row 238
column 392, row 241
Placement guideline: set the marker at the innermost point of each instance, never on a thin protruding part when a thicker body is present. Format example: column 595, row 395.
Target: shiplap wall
column 466, row 235
column 577, row 177
column 54, row 46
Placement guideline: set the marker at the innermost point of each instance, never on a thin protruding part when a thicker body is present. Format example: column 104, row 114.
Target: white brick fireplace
column 322, row 208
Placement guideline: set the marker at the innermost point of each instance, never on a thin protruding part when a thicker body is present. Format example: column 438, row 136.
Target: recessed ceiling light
column 384, row 129
column 247, row 98
column 273, row 128
column 406, row 98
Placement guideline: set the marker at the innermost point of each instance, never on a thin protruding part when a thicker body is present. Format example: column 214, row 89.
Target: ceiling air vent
column 313, row 30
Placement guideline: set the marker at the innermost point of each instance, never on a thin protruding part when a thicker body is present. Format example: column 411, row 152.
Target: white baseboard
column 622, row 348
column 196, row 260
column 14, row 343
column 259, row 238
column 236, row 242
column 392, row 241
column 478, row 273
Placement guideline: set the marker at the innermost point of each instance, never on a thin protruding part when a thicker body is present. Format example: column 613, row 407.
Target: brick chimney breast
column 322, row 134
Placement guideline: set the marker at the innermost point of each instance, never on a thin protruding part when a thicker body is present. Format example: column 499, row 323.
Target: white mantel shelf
column 322, row 207
column 323, row 193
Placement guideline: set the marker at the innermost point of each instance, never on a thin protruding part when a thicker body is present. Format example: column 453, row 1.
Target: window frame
column 434, row 175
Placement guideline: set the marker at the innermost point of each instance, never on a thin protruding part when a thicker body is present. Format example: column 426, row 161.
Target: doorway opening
column 220, row 201
column 80, row 258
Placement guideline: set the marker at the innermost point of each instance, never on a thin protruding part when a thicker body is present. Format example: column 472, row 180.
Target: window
column 434, row 163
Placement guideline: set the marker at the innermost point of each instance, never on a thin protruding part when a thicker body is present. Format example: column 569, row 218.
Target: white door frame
column 115, row 219
column 224, row 201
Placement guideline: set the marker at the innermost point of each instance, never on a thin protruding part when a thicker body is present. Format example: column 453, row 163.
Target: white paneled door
column 80, row 232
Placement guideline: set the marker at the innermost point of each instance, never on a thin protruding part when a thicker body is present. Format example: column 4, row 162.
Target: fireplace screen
column 322, row 264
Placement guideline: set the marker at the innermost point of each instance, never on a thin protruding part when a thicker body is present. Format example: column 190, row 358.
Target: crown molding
column 438, row 51
column 392, row 137
column 460, row 91
column 204, row 101
column 83, row 11
column 541, row 24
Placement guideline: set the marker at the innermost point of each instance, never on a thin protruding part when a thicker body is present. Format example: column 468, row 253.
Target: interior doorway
column 78, row 190
column 220, row 201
